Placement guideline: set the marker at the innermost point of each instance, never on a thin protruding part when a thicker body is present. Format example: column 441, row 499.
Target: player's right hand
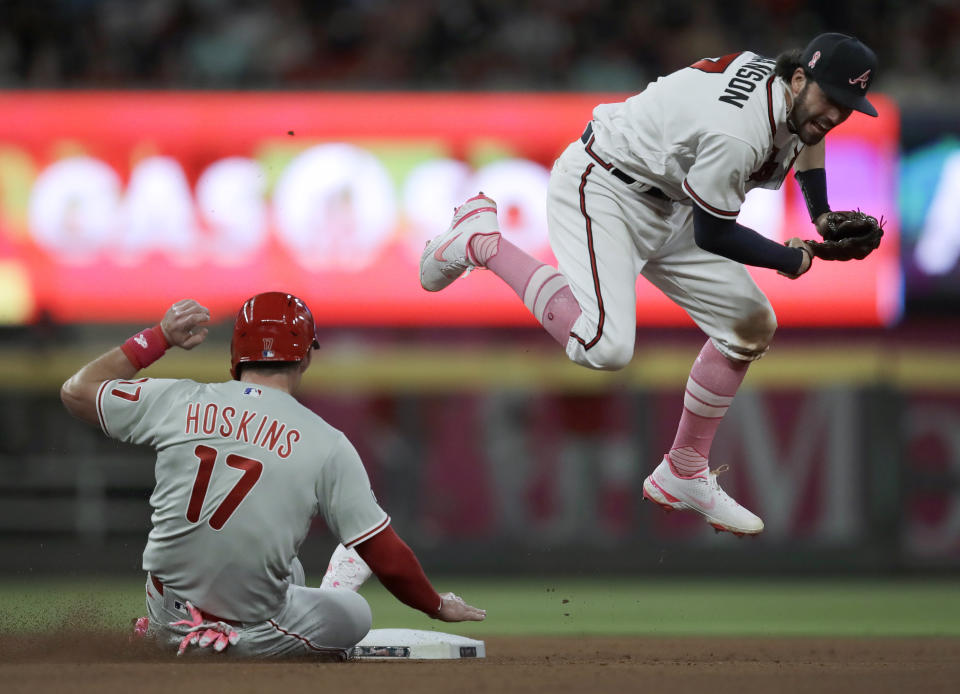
column 182, row 323
column 807, row 261
column 454, row 609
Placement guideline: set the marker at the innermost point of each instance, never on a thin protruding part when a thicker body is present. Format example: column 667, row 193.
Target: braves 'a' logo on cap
column 861, row 80
column 267, row 347
column 813, row 60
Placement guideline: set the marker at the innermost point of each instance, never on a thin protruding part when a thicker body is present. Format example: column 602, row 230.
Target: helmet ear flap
column 271, row 327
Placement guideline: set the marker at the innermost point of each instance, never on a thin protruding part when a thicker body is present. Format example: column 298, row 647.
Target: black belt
column 587, row 140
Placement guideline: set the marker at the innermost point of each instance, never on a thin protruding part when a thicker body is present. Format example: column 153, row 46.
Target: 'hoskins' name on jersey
column 745, row 81
column 246, row 427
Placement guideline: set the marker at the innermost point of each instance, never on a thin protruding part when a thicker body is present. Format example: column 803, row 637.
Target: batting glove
column 205, row 633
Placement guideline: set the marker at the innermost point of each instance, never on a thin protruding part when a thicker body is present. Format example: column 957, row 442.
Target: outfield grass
column 564, row 606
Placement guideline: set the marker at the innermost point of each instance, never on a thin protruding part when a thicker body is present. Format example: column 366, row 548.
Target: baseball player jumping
column 653, row 187
column 241, row 470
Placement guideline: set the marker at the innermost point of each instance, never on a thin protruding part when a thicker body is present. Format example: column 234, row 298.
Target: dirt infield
column 106, row 663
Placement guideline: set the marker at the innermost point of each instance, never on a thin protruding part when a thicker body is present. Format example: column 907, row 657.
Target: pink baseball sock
column 544, row 291
column 713, row 382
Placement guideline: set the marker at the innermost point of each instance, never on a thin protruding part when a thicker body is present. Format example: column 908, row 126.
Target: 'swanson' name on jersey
column 247, row 427
column 745, row 81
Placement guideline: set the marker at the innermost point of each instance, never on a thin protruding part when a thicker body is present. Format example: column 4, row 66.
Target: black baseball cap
column 844, row 68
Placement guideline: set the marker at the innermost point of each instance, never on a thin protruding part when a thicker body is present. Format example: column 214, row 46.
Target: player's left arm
column 716, row 185
column 181, row 326
column 811, row 174
column 732, row 240
column 399, row 571
column 811, row 157
column 850, row 235
column 353, row 514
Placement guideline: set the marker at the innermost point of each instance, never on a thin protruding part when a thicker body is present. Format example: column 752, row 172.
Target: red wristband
column 145, row 347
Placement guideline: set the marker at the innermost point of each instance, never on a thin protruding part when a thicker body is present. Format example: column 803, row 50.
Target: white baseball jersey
column 705, row 135
column 241, row 470
column 710, row 132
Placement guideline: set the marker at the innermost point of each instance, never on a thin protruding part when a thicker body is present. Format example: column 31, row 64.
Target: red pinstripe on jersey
column 103, row 421
column 589, row 148
column 370, row 533
column 707, row 206
column 587, row 344
column 796, row 153
column 773, row 122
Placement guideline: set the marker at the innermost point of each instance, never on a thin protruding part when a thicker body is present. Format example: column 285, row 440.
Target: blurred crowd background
column 491, row 451
column 593, row 45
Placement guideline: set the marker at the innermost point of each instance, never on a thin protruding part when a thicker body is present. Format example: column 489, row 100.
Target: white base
column 416, row 644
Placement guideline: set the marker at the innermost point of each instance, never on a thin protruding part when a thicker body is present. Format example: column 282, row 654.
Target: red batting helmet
column 273, row 326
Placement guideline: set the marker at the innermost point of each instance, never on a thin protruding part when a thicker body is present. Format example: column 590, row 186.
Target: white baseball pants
column 605, row 233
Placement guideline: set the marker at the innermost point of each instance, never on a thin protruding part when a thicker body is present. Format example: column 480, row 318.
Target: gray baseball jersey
column 241, row 470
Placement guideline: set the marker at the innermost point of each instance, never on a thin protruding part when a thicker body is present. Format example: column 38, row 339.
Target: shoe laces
column 459, row 267
column 715, row 473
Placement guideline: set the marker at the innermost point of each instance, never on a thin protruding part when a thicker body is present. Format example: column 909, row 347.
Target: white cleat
column 700, row 493
column 346, row 570
column 448, row 256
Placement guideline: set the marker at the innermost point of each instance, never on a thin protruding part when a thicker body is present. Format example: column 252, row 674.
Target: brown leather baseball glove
column 850, row 235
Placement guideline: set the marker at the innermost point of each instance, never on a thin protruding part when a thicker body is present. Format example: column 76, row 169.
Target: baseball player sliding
column 241, row 470
column 653, row 187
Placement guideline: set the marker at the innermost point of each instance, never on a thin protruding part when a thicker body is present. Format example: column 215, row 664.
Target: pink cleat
column 700, row 493
column 448, row 256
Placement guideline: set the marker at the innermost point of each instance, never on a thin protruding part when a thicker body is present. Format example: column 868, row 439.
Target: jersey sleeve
column 132, row 411
column 717, row 180
column 346, row 500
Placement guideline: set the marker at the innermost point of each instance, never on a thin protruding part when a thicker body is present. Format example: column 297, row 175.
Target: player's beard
column 800, row 122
